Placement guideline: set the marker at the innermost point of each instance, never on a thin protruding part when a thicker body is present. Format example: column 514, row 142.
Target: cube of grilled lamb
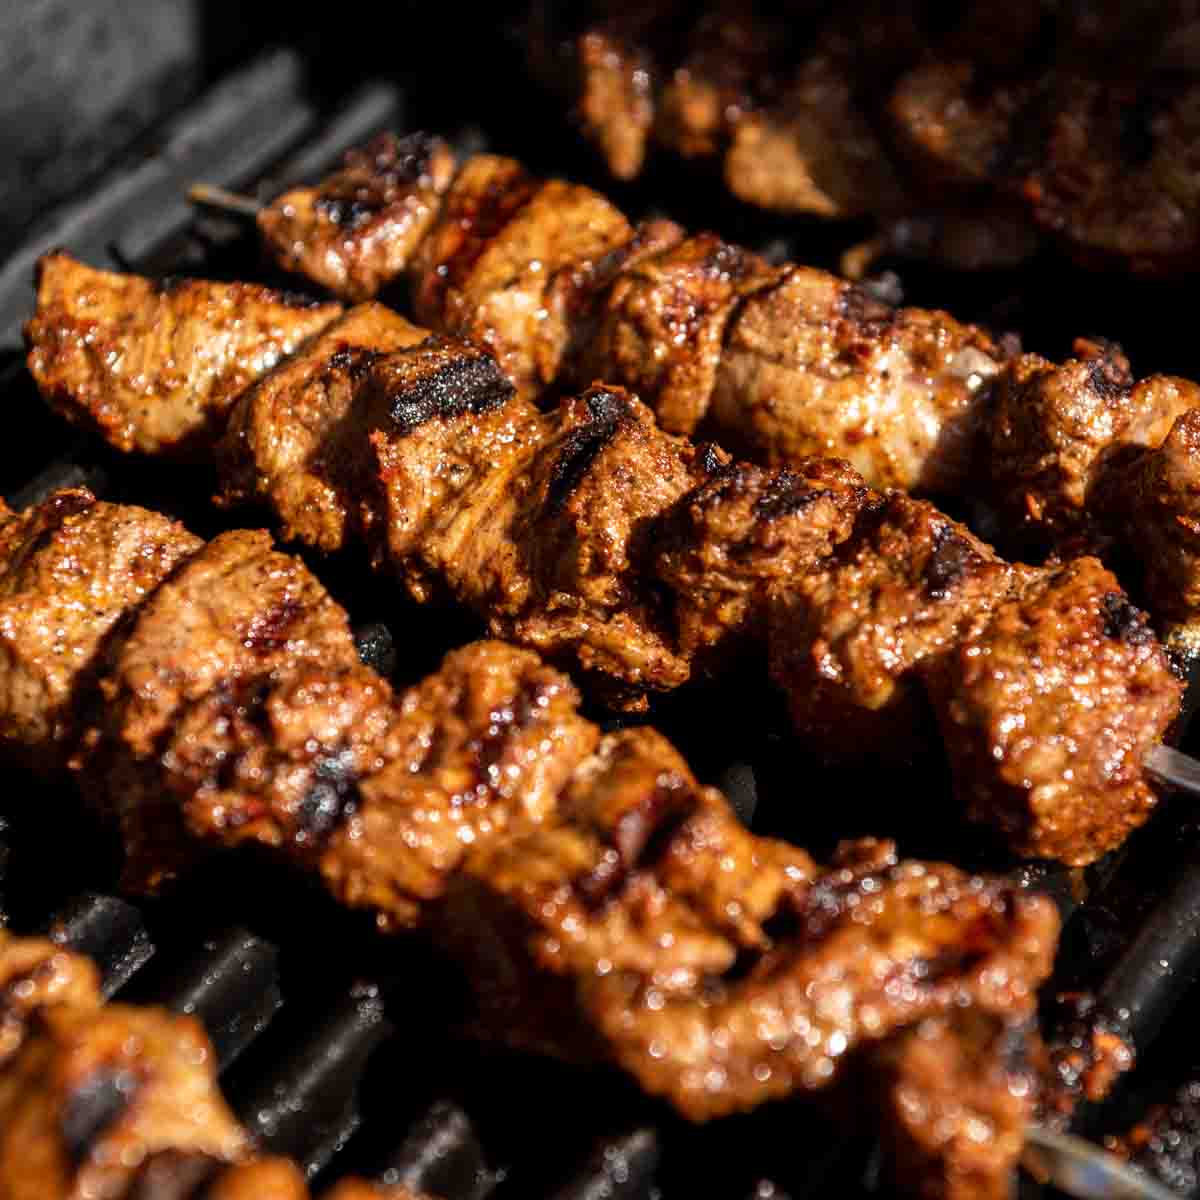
column 1056, row 430
column 37, row 974
column 1153, row 501
column 71, row 571
column 236, row 610
column 291, row 442
column 355, row 231
column 743, row 531
column 663, row 326
column 816, row 366
column 1048, row 709
column 499, row 265
column 956, row 1093
column 92, row 1092
column 155, row 366
column 848, row 639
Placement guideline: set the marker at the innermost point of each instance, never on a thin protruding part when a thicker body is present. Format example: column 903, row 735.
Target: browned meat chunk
column 236, row 611
column 291, row 441
column 955, row 1094
column 93, row 1092
column 35, row 975
column 1154, row 501
column 357, row 230
column 663, row 326
column 1048, row 710
column 1056, row 429
column 847, row 639
column 155, row 366
column 744, row 530
column 641, row 871
column 500, row 264
column 70, row 571
column 815, row 367
column 485, row 744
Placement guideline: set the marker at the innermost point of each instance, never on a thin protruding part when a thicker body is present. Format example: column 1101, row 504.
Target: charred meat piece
column 237, row 611
column 847, row 639
column 71, row 571
column 744, row 531
column 1154, row 501
column 500, row 263
column 815, row 366
column 355, row 232
column 679, row 302
column 1047, row 711
column 485, row 744
column 153, row 366
column 36, row 974
column 94, row 1091
column 294, row 440
column 1056, row 430
column 956, row 1093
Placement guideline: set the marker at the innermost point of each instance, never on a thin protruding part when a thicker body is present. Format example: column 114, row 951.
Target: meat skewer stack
column 640, row 558
column 119, row 1101
column 604, row 904
column 776, row 363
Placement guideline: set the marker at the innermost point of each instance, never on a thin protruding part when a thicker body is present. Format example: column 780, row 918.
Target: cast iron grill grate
column 347, row 1050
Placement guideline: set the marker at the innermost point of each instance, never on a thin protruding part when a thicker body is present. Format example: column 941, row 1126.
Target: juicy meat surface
column 663, row 326
column 71, row 570
column 744, row 531
column 1056, row 430
column 237, row 610
column 1048, row 710
column 154, row 366
column 501, row 263
column 1155, row 502
column 955, row 1094
column 355, row 232
column 848, row 639
column 148, row 1074
column 814, row 366
column 295, row 441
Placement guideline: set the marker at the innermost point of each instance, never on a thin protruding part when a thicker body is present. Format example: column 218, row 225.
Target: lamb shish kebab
column 640, row 559
column 605, row 905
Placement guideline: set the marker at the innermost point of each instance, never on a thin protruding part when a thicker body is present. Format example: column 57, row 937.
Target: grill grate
column 346, row 1050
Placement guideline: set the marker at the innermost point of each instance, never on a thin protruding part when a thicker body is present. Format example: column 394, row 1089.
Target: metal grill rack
column 352, row 1052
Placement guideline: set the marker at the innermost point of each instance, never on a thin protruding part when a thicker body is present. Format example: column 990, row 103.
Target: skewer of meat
column 776, row 363
column 119, row 1101
column 604, row 904
column 640, row 559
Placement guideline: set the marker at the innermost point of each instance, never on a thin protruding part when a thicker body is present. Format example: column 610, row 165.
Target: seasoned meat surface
column 355, row 232
column 293, row 440
column 71, row 571
column 679, row 302
column 1047, row 711
column 148, row 1075
column 955, row 1095
column 1056, row 430
column 486, row 743
column 237, row 611
column 815, row 366
column 500, row 263
column 154, row 366
column 1154, row 501
column 743, row 531
column 848, row 638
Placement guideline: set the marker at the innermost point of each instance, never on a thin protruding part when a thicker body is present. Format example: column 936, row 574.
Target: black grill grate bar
column 442, row 1155
column 109, row 931
column 623, row 1168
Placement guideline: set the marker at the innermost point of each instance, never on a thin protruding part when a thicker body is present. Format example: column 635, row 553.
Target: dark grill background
column 349, row 1050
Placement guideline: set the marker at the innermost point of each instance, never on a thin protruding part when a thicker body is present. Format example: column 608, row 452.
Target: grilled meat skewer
column 119, row 1101
column 640, row 558
column 605, row 905
column 783, row 363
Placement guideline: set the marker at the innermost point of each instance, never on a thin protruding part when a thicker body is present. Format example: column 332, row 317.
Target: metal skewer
column 211, row 196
